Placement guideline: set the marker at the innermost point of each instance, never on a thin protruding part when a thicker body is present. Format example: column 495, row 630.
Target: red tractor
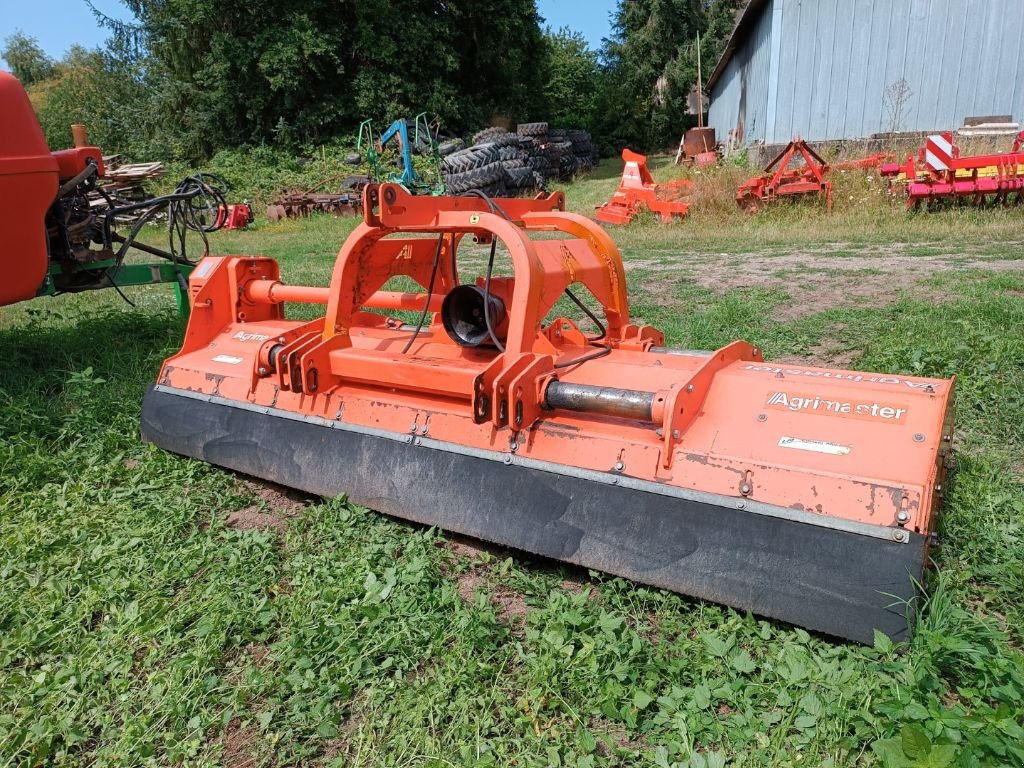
column 64, row 224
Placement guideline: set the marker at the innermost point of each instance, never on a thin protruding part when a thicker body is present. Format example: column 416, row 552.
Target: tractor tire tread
column 475, row 178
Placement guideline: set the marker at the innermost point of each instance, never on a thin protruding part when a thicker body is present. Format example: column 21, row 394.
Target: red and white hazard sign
column 938, row 152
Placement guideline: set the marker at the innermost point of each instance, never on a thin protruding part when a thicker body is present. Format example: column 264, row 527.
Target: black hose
column 74, row 182
column 430, row 293
column 594, row 318
column 182, row 216
column 487, row 297
column 601, row 351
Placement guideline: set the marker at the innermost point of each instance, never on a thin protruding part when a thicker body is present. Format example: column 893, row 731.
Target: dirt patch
column 254, row 519
column 511, row 606
column 278, row 497
column 341, row 745
column 138, row 658
column 828, row 352
column 275, row 507
column 258, row 654
column 468, row 584
column 254, row 654
column 829, row 278
column 334, row 748
column 664, row 292
column 474, row 549
column 831, row 351
column 240, row 745
column 571, row 585
column 653, row 630
column 617, row 734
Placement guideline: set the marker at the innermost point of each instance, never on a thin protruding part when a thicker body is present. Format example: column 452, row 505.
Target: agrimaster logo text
column 851, row 376
column 858, row 409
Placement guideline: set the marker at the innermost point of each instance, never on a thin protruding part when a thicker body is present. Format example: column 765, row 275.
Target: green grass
column 138, row 627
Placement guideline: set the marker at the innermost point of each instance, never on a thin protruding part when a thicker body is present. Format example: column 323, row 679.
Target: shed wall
column 820, row 68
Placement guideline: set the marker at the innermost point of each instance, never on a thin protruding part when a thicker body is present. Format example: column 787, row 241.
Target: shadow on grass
column 122, row 346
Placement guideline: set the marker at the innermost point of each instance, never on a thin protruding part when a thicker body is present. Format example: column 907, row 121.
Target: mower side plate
column 845, row 583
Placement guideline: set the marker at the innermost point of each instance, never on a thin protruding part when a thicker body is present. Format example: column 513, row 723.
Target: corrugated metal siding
column 757, row 70
column 723, row 112
column 744, row 87
column 820, row 68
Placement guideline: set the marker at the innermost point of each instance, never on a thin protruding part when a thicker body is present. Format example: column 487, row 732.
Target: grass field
column 154, row 610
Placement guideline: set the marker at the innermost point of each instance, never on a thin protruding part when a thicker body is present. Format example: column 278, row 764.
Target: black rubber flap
column 843, row 584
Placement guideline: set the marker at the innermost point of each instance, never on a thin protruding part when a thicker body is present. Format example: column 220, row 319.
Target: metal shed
column 826, row 69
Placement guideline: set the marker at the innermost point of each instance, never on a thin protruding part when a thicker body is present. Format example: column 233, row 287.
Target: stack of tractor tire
column 568, row 151
column 583, row 149
column 501, row 164
column 495, row 164
column 477, row 168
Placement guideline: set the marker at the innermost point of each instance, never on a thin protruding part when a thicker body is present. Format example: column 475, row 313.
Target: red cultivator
column 637, row 192
column 940, row 173
column 777, row 180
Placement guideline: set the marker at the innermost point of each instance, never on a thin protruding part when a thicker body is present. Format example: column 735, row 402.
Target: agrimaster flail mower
column 800, row 493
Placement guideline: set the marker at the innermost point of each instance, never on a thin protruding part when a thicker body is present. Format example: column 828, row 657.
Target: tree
column 101, row 92
column 305, row 71
column 651, row 64
column 92, row 87
column 572, row 79
column 27, row 61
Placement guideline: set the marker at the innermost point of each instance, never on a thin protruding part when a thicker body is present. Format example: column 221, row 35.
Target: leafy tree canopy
column 306, row 70
column 186, row 78
column 572, row 80
column 26, row 59
column 651, row 65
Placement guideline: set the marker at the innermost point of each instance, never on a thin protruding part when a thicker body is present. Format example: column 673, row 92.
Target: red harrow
column 941, row 173
column 778, row 180
column 637, row 192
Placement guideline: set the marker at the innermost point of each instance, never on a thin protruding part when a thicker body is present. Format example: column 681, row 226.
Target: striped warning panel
column 938, row 152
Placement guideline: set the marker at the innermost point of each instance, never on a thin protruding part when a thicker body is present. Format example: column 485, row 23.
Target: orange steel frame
column 871, row 447
column 638, row 192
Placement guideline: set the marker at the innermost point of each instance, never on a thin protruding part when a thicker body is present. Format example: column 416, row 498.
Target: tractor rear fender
column 28, row 184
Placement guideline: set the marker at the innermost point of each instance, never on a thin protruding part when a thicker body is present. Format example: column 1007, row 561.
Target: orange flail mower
column 638, row 192
column 805, row 494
